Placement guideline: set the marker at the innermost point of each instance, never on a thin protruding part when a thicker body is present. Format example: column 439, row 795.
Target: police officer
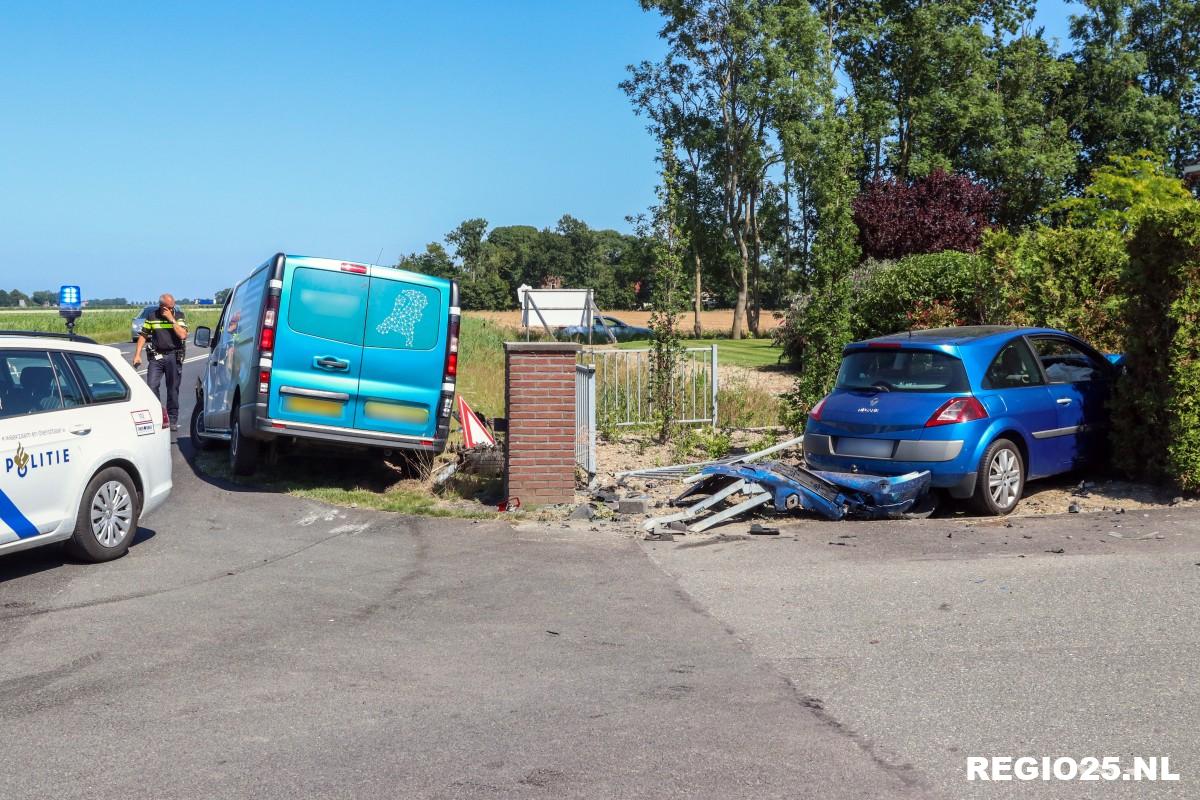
column 164, row 336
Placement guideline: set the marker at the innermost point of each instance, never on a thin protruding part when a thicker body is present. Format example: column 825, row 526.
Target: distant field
column 716, row 322
column 752, row 353
column 109, row 325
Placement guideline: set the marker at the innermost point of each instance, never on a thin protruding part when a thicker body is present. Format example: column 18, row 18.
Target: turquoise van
column 336, row 353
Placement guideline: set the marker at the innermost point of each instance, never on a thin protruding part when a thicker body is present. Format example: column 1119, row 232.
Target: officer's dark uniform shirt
column 161, row 338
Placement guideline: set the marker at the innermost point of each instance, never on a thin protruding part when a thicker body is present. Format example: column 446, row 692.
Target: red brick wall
column 539, row 394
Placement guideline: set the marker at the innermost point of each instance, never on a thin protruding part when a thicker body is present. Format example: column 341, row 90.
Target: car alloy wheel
column 111, row 514
column 1004, row 478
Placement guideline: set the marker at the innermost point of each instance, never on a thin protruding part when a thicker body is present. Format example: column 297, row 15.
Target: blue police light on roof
column 70, row 297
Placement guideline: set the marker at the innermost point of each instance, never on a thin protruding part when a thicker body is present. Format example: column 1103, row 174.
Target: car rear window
column 897, row 370
column 329, row 305
column 403, row 316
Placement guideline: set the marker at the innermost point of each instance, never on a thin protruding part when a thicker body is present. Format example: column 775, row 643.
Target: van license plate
column 313, row 406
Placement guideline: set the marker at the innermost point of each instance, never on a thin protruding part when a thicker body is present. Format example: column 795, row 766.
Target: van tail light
column 452, row 348
column 266, row 339
column 955, row 410
column 166, row 419
column 815, row 413
column 264, row 381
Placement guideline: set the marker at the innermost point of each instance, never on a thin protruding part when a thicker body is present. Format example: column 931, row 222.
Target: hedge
column 1156, row 408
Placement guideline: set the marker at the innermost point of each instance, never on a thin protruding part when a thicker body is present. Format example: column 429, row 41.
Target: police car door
column 43, row 434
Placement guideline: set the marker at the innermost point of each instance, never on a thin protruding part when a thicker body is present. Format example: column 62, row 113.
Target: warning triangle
column 475, row 433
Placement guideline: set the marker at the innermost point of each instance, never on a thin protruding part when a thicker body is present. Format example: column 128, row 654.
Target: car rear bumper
column 934, row 450
column 944, row 459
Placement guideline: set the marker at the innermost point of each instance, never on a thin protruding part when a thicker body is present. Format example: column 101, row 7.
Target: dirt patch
column 715, row 321
column 1057, row 495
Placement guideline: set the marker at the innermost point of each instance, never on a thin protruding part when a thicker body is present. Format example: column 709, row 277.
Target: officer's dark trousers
column 166, row 367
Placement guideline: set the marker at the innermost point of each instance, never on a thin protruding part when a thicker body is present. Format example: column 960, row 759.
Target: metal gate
column 585, row 418
column 621, row 386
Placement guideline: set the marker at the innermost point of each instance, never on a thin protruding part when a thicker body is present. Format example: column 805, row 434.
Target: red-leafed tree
column 927, row 215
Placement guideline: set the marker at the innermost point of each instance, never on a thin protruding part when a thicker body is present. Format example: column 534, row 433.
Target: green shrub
column 924, row 291
column 1156, row 410
column 1066, row 278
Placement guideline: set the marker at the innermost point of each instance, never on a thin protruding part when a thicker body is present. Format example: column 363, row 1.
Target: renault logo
column 875, row 400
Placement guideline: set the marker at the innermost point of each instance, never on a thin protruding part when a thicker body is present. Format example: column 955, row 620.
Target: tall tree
column 724, row 47
column 1114, row 110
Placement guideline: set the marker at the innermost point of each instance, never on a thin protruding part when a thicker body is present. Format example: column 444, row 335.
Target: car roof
column 962, row 336
column 34, row 341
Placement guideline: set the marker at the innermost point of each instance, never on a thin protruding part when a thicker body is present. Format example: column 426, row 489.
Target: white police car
column 85, row 448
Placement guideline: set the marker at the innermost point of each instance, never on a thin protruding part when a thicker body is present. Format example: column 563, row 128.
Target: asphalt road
column 254, row 645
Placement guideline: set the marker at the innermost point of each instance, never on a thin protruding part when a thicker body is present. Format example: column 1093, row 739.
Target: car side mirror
column 202, row 337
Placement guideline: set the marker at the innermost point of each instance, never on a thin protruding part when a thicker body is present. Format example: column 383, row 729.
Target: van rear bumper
column 268, row 428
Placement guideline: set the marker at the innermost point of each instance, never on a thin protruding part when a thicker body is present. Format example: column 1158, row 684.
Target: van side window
column 245, row 307
column 403, row 316
column 1013, row 368
column 328, row 305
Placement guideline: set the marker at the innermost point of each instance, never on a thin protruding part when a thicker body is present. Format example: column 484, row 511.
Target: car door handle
column 330, row 363
column 81, row 430
column 1063, row 401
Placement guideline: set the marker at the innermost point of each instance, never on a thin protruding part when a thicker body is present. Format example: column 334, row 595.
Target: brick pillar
column 539, row 395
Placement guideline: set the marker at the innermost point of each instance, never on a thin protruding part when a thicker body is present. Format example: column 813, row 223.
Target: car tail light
column 357, row 269
column 815, row 413
column 452, row 365
column 166, row 418
column 264, row 381
column 955, row 410
column 884, row 345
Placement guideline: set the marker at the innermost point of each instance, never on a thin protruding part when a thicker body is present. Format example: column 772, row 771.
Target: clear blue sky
column 150, row 147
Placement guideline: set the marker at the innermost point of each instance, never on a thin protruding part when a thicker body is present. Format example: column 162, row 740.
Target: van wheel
column 243, row 451
column 199, row 440
column 108, row 517
column 1001, row 479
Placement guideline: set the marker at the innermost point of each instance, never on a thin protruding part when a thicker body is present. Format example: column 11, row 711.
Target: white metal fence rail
column 622, row 386
column 585, row 418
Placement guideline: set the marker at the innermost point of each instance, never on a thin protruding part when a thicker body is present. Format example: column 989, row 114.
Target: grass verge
column 750, row 353
column 362, row 483
column 107, row 326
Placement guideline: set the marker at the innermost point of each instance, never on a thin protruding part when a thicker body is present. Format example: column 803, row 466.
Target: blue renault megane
column 983, row 408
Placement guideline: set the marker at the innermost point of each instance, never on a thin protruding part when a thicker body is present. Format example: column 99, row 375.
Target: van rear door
column 318, row 349
column 404, row 353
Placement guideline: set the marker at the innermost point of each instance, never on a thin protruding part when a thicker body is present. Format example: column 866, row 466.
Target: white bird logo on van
column 406, row 313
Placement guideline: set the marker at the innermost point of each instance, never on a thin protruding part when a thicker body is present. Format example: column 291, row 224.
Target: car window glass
column 1012, row 368
column 30, row 386
column 328, row 305
column 68, row 387
column 403, row 316
column 896, row 370
column 102, row 382
column 1064, row 362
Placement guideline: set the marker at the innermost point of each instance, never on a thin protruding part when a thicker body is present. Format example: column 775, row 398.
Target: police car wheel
column 108, row 517
column 243, row 451
column 199, row 441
